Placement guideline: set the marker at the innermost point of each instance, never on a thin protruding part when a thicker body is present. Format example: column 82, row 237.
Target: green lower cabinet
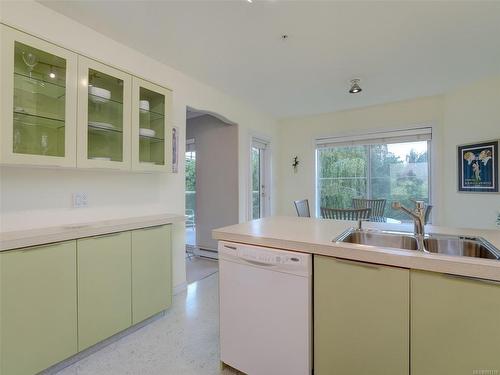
column 361, row 318
column 38, row 307
column 151, row 271
column 104, row 287
column 455, row 325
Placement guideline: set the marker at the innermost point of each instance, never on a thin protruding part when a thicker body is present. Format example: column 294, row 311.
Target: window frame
column 370, row 138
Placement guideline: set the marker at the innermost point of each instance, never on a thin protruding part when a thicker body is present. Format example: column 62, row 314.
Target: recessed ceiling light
column 355, row 88
column 250, row 1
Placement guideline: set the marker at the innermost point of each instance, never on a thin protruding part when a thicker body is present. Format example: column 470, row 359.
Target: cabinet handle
column 41, row 246
column 107, row 235
column 152, row 227
column 472, row 278
column 357, row 263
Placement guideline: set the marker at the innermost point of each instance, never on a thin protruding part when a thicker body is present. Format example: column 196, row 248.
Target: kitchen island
column 380, row 310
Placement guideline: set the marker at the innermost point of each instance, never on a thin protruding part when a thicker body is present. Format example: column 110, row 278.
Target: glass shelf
column 151, row 139
column 101, row 129
column 99, row 100
column 28, row 119
column 153, row 116
column 40, row 82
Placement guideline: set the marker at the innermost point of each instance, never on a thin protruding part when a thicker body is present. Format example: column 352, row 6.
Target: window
column 392, row 166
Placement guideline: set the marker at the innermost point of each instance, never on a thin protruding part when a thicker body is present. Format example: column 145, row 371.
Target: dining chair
column 345, row 214
column 302, row 207
column 377, row 205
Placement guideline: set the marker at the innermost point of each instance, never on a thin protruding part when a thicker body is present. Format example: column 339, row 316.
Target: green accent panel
column 39, row 102
column 104, row 287
column 151, row 271
column 38, row 307
column 361, row 318
column 454, row 325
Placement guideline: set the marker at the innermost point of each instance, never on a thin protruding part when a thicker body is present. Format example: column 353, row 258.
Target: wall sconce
column 295, row 163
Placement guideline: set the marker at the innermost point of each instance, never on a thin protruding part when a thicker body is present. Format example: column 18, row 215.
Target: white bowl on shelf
column 144, row 105
column 99, row 95
column 144, row 132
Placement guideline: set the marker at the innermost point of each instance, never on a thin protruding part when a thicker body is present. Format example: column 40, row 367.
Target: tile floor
column 198, row 268
column 185, row 341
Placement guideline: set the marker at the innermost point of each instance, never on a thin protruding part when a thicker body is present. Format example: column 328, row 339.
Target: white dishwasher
column 265, row 310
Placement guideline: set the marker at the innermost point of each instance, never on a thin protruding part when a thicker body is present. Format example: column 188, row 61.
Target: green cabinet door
column 38, row 307
column 361, row 318
column 151, row 271
column 454, row 325
column 104, row 287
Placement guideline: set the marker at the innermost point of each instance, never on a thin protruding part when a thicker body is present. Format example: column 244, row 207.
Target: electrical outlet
column 80, row 200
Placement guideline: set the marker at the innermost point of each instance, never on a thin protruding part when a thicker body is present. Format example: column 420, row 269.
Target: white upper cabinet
column 104, row 116
column 62, row 109
column 38, row 101
column 151, row 126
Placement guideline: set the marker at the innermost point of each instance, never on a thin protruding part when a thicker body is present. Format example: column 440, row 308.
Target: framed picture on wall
column 478, row 167
column 175, row 149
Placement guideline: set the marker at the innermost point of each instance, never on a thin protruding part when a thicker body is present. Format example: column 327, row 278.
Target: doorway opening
column 211, row 166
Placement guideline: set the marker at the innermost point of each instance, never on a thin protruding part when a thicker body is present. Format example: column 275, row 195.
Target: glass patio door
column 259, row 171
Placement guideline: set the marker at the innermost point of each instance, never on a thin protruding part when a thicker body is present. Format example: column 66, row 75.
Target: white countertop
column 40, row 236
column 315, row 236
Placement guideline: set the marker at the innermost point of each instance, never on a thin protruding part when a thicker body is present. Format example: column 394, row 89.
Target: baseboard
column 207, row 253
column 179, row 288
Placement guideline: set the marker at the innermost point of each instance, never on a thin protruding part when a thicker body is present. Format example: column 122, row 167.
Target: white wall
column 42, row 197
column 471, row 114
column 465, row 115
column 297, row 138
column 216, row 145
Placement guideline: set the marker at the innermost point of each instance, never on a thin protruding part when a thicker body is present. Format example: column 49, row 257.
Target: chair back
column 345, row 214
column 377, row 205
column 302, row 207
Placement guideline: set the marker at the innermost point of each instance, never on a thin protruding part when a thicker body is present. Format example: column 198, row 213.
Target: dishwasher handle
column 257, row 263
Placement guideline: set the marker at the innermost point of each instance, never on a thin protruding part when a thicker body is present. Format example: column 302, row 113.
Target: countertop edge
column 35, row 237
column 462, row 266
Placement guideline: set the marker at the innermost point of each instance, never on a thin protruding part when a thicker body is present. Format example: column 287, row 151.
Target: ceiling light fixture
column 250, row 1
column 355, row 88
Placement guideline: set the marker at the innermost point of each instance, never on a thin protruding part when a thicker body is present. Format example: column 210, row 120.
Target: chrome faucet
column 420, row 215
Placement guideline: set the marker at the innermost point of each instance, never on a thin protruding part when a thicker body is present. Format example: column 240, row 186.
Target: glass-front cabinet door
column 151, row 126
column 104, row 114
column 38, row 102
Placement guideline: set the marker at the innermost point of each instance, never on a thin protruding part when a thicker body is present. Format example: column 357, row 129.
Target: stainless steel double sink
column 476, row 247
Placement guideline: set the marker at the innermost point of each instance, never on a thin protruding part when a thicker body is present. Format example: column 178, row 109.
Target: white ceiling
column 400, row 50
